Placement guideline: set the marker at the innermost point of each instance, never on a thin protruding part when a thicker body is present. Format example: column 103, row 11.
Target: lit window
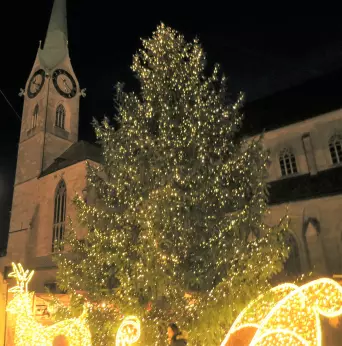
column 287, row 162
column 35, row 116
column 59, row 217
column 60, row 116
column 335, row 147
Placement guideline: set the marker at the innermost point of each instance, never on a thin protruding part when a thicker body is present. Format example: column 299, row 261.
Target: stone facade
column 316, row 220
column 309, row 141
column 30, row 238
column 316, row 225
column 50, row 122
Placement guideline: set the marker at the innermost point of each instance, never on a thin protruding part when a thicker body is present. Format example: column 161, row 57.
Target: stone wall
column 317, row 228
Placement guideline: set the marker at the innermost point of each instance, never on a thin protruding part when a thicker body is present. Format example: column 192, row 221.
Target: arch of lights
column 287, row 315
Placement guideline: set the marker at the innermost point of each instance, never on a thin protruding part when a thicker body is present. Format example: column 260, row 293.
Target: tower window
column 60, row 116
column 35, row 116
column 287, row 162
column 335, row 148
column 59, row 217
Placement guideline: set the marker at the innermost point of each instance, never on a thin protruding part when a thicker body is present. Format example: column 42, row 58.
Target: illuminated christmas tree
column 177, row 198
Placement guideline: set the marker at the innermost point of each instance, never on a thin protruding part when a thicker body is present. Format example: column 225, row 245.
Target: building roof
column 312, row 98
column 302, row 187
column 78, row 152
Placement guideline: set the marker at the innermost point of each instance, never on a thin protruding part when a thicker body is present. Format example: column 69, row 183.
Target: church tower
column 49, row 127
column 51, row 102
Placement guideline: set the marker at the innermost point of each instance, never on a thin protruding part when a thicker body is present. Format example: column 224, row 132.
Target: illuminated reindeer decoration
column 28, row 332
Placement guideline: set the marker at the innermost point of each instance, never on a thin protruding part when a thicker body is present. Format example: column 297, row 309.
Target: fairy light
column 28, row 332
column 128, row 332
column 176, row 197
column 288, row 315
column 255, row 312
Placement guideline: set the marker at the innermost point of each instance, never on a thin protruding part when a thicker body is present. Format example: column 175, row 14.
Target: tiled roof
column 78, row 152
column 302, row 187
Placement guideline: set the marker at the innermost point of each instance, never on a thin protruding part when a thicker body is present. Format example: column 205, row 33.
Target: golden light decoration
column 128, row 332
column 23, row 277
column 177, row 184
column 28, row 332
column 287, row 315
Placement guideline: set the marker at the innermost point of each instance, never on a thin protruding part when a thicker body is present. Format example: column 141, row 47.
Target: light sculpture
column 128, row 332
column 287, row 315
column 28, row 332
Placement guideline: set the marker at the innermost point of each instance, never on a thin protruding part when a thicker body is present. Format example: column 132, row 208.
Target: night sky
column 261, row 56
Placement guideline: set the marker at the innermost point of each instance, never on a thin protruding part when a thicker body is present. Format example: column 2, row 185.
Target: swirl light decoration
column 287, row 315
column 28, row 332
column 128, row 332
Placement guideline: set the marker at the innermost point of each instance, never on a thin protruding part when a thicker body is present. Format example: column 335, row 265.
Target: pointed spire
column 56, row 42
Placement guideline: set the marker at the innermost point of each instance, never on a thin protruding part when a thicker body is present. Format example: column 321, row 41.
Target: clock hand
column 66, row 86
column 36, row 85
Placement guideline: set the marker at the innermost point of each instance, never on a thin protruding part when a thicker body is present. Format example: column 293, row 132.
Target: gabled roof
column 306, row 186
column 78, row 152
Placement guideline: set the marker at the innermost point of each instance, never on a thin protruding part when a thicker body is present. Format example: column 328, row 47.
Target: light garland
column 128, row 332
column 28, row 332
column 252, row 316
column 174, row 201
column 287, row 315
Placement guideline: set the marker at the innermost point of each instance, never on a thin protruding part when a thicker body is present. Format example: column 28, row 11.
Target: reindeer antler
column 23, row 277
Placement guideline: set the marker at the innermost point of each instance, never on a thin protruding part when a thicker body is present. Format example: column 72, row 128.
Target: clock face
column 64, row 83
column 36, row 83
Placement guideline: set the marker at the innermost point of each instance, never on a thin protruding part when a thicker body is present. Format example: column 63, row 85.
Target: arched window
column 314, row 246
column 292, row 264
column 287, row 162
column 35, row 116
column 60, row 116
column 335, row 148
column 59, row 217
column 253, row 236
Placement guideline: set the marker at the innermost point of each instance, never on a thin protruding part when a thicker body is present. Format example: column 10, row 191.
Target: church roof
column 55, row 47
column 312, row 98
column 78, row 152
column 303, row 187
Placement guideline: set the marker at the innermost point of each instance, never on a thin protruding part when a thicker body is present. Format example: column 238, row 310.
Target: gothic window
column 59, row 217
column 335, row 148
column 60, row 116
column 316, row 256
column 253, row 236
column 292, row 264
column 287, row 162
column 35, row 116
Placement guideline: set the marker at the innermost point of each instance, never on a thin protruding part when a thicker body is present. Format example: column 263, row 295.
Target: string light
column 175, row 199
column 128, row 332
column 28, row 332
column 287, row 315
column 251, row 316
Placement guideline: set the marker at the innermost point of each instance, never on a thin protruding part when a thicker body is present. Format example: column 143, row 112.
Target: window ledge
column 58, row 252
column 283, row 177
column 31, row 132
column 61, row 132
column 334, row 165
